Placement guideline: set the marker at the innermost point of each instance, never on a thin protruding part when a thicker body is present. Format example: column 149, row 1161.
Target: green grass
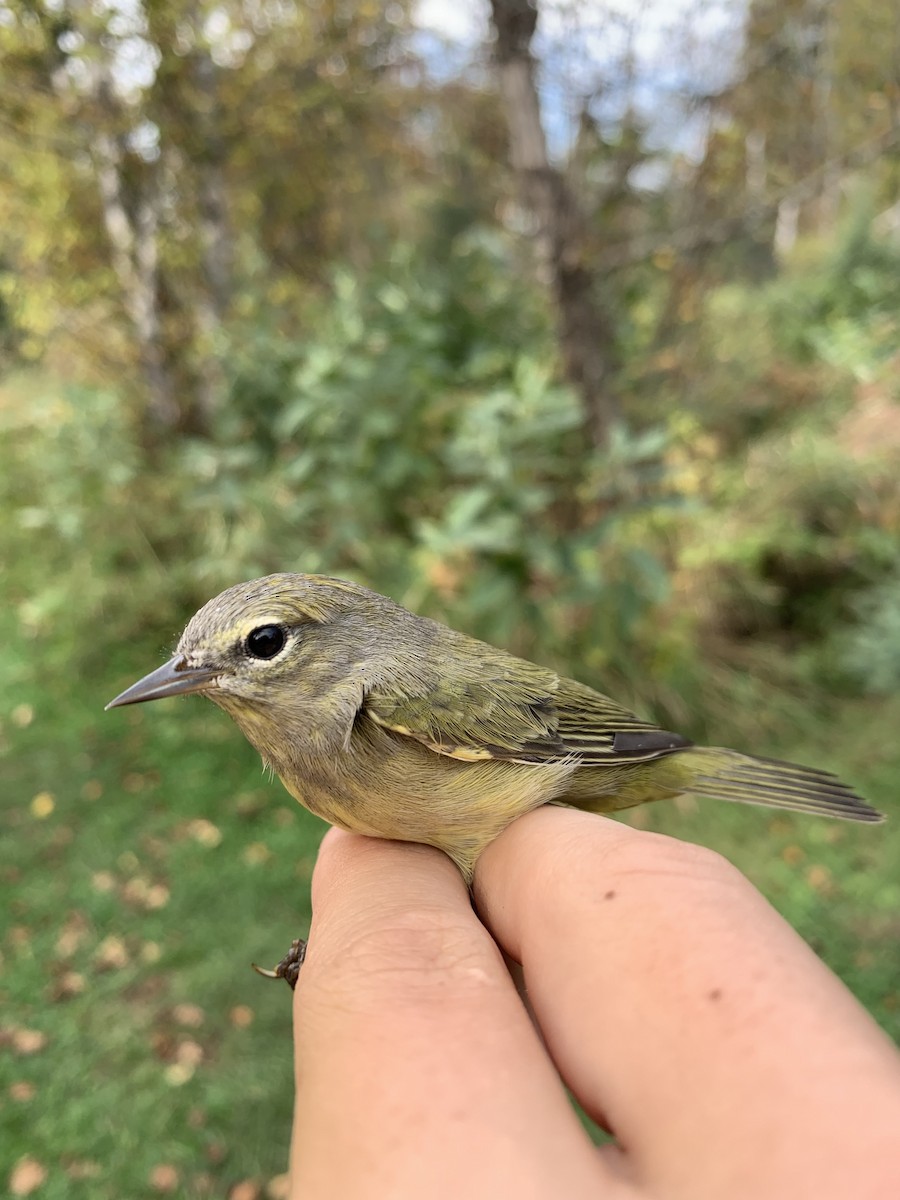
column 123, row 885
column 168, row 863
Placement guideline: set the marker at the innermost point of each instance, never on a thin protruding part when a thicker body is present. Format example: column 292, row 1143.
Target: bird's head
column 292, row 651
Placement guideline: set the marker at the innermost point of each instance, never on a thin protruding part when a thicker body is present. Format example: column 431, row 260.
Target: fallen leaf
column 111, row 954
column 779, row 826
column 204, row 832
column 241, row 1016
column 135, row 891
column 157, row 897
column 686, row 805
column 69, row 984
column 72, row 934
column 247, row 1189
column 248, row 804
column 151, row 952
column 189, row 1052
column 256, row 854
column 279, row 1187
column 22, row 716
column 27, row 1041
column 42, row 806
column 92, row 790
column 154, row 847
column 22, row 1090
column 82, row 1168
column 140, row 893
column 164, row 1178
column 103, row 881
column 26, row 1176
column 178, row 1074
column 191, row 1015
column 163, row 1044
column 819, row 878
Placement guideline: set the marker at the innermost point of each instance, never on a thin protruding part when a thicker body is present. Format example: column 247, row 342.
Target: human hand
column 679, row 1008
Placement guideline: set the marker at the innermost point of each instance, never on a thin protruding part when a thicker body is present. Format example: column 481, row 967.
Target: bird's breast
column 391, row 786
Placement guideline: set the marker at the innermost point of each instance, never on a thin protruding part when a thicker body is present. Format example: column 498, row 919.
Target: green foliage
column 870, row 650
column 415, row 439
column 794, row 448
column 844, row 310
column 806, row 529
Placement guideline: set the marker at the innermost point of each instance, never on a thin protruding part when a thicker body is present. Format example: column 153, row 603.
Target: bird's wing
column 506, row 708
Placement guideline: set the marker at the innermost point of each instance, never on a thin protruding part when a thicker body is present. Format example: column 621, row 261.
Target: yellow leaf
column 257, row 854
column 42, row 806
column 22, row 715
column 111, row 954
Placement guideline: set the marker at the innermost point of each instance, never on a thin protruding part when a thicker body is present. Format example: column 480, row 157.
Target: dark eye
column 266, row 641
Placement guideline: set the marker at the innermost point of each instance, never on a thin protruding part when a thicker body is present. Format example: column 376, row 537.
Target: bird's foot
column 289, row 967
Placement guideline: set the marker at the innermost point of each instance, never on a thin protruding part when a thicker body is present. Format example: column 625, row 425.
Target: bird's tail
column 728, row 775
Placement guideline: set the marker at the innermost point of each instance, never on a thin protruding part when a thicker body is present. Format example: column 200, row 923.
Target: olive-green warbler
column 390, row 724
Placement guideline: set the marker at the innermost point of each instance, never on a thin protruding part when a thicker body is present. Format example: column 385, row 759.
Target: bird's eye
column 265, row 642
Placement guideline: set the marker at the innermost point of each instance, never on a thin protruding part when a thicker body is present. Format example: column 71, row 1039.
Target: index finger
column 418, row 1071
column 724, row 1055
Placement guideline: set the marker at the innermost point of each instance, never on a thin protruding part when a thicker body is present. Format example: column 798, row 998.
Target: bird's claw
column 289, row 967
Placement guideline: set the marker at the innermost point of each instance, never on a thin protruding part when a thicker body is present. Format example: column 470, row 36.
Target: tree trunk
column 585, row 333
column 135, row 260
column 215, row 293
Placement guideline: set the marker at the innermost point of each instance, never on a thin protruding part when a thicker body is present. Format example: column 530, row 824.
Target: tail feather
column 767, row 781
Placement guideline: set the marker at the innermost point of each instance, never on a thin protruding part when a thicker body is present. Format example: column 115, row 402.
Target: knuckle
column 595, row 867
column 414, row 957
column 657, row 855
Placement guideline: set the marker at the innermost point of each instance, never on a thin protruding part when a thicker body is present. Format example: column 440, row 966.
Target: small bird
column 390, row 724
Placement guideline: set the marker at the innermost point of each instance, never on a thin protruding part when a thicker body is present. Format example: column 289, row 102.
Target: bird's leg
column 289, row 967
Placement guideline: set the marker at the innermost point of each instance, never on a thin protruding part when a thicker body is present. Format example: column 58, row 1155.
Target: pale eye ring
column 265, row 641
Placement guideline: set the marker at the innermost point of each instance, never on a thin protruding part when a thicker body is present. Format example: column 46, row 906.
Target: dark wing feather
column 599, row 730
column 500, row 707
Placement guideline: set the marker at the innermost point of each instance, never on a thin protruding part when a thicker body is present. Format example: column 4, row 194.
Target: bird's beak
column 174, row 678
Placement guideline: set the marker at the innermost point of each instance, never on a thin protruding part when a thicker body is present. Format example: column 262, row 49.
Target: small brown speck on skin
column 715, row 994
column 610, row 895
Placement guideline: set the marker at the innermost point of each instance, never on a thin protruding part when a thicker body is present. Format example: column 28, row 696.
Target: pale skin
column 671, row 999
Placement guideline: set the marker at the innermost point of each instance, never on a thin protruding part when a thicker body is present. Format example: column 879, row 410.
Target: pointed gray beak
column 174, row 678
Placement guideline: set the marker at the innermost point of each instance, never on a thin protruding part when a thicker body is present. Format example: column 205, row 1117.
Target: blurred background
column 575, row 328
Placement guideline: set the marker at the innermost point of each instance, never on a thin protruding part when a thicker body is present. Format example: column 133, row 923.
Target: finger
column 418, row 1072
column 677, row 1002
